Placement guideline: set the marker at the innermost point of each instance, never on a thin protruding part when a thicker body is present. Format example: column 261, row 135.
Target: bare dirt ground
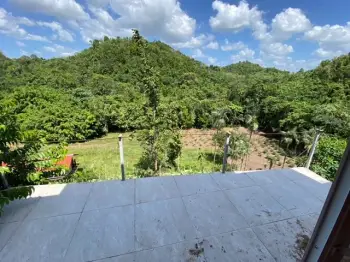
column 262, row 146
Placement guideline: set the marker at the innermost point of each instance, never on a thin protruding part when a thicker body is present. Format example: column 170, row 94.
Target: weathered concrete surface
column 254, row 216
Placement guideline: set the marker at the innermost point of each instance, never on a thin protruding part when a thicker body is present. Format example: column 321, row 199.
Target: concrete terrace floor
column 255, row 216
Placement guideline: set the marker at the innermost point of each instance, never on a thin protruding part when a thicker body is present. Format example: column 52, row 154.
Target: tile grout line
column 188, row 214
column 21, row 222
column 77, row 223
column 257, row 237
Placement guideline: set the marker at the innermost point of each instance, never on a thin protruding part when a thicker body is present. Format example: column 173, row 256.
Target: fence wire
column 99, row 158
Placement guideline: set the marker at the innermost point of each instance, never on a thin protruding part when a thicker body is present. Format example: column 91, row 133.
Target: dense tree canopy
column 99, row 90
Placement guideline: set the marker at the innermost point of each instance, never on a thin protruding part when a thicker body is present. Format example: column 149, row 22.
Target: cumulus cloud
column 12, row 26
column 333, row 40
column 232, row 46
column 195, row 41
column 276, row 49
column 61, row 9
column 164, row 18
column 246, row 54
column 63, row 34
column 213, row 45
column 234, row 18
column 23, row 52
column 327, row 53
column 197, row 53
column 59, row 50
column 289, row 22
column 212, row 60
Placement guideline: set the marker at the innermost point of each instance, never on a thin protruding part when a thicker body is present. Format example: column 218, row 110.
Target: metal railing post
column 312, row 151
column 224, row 161
column 121, row 152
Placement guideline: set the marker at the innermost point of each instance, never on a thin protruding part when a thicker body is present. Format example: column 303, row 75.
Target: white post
column 121, row 152
column 224, row 161
column 312, row 151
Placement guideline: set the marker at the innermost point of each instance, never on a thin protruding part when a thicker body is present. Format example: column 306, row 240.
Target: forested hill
column 99, row 89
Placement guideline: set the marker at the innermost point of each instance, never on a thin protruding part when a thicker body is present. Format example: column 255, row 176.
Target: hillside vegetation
column 99, row 90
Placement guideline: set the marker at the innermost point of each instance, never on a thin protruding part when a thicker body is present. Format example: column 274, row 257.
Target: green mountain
column 99, row 89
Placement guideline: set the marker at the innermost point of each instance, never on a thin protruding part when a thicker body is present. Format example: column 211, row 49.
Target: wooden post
column 121, row 152
column 312, row 151
column 224, row 161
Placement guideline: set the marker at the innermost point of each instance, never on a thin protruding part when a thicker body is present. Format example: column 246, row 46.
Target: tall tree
column 159, row 137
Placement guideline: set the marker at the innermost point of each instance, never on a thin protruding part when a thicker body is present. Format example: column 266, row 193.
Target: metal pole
column 313, row 148
column 121, row 152
column 224, row 161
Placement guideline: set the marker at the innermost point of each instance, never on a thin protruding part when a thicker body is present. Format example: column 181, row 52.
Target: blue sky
column 288, row 34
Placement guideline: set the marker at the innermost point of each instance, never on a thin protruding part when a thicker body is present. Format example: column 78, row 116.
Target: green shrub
column 327, row 157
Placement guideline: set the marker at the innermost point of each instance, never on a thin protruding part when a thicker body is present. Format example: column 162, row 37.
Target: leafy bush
column 327, row 157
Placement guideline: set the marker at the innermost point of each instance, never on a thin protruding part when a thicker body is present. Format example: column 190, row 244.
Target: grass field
column 101, row 156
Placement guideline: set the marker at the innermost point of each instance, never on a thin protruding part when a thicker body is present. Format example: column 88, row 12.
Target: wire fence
column 199, row 154
column 100, row 158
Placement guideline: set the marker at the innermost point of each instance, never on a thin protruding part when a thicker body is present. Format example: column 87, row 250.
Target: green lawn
column 101, row 157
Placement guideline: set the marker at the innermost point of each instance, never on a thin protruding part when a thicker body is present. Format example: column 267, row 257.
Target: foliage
column 239, row 145
column 159, row 136
column 114, row 85
column 22, row 163
column 327, row 156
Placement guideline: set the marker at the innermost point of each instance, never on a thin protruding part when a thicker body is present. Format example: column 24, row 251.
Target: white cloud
column 61, row 9
column 59, row 50
column 163, row 18
column 234, row 18
column 49, row 49
column 276, row 49
column 63, row 34
column 103, row 25
column 23, row 52
column 20, row 44
column 195, row 41
column 287, row 63
column 213, row 45
column 212, row 60
column 232, row 46
column 11, row 25
column 246, row 54
column 333, row 40
column 327, row 53
column 197, row 53
column 289, row 22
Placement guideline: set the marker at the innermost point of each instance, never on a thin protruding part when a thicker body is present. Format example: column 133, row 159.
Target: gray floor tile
column 122, row 258
column 6, row 232
column 103, row 233
column 231, row 181
column 212, row 213
column 242, row 245
column 256, row 205
column 319, row 189
column 268, row 177
column 17, row 210
column 196, row 184
column 284, row 239
column 156, row 188
column 44, row 239
column 181, row 252
column 70, row 199
column 294, row 198
column 162, row 222
column 111, row 194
